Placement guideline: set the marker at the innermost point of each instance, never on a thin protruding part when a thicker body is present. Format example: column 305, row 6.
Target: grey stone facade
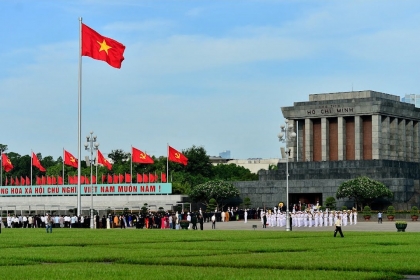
column 341, row 136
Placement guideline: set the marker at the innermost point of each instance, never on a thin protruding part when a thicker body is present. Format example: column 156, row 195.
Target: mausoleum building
column 340, row 136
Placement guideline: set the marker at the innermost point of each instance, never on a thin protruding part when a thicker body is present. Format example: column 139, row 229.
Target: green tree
column 247, row 202
column 233, row 172
column 330, row 203
column 219, row 190
column 211, row 206
column 363, row 190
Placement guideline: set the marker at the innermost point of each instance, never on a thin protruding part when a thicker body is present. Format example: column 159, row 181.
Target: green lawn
column 178, row 254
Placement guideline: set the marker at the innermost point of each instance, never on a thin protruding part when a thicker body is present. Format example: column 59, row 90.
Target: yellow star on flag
column 104, row 46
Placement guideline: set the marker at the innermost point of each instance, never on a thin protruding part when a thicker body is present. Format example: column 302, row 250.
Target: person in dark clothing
column 103, row 221
column 264, row 221
column 194, row 221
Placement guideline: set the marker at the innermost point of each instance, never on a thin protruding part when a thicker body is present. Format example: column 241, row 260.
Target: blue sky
column 204, row 73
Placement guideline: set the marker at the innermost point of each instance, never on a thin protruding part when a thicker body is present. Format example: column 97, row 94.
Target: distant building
column 253, row 164
column 225, row 154
column 412, row 99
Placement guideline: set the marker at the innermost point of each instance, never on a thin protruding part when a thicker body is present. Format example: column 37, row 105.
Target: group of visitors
column 40, row 221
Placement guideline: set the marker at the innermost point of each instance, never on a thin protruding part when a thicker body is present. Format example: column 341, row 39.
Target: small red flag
column 163, row 177
column 103, row 178
column 116, row 177
column 28, row 182
column 7, row 164
column 127, row 178
column 36, row 163
column 12, row 181
column 53, row 180
column 151, row 178
column 145, row 178
column 48, row 180
column 43, row 180
column 17, row 181
column 139, row 178
column 109, row 179
column 103, row 161
column 22, row 181
column 175, row 156
column 100, row 47
column 69, row 159
column 60, row 180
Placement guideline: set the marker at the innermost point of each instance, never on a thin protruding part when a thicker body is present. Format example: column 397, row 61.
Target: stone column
column 393, row 140
column 401, row 145
column 416, row 139
column 358, row 135
column 309, row 145
column 376, row 140
column 409, row 140
column 325, row 139
column 385, row 135
column 341, row 123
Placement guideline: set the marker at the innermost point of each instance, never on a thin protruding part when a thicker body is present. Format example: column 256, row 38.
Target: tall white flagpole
column 32, row 163
column 131, row 166
column 167, row 162
column 63, row 164
column 79, row 127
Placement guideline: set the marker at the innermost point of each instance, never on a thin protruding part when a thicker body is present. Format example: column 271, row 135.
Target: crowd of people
column 308, row 218
column 273, row 217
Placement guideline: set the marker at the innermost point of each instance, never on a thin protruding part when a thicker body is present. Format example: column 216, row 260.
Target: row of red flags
column 106, row 179
column 137, row 156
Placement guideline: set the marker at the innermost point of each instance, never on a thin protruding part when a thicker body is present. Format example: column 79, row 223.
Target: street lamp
column 91, row 146
column 287, row 134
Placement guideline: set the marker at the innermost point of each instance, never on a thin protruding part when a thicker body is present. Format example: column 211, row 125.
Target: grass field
column 222, row 254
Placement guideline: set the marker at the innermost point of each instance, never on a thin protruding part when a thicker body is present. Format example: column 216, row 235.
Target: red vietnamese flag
column 6, row 163
column 12, row 181
column 175, row 156
column 71, row 180
column 60, row 180
column 120, row 178
column 109, row 179
column 139, row 178
column 69, row 159
column 54, row 180
column 116, row 177
column 103, row 161
column 36, row 163
column 163, row 177
column 103, row 48
column 151, row 178
column 43, row 180
column 28, row 182
column 17, row 181
column 22, row 181
column 140, row 157
column 145, row 178
column 38, row 180
column 86, row 179
column 127, row 178
column 48, row 180
column 93, row 179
